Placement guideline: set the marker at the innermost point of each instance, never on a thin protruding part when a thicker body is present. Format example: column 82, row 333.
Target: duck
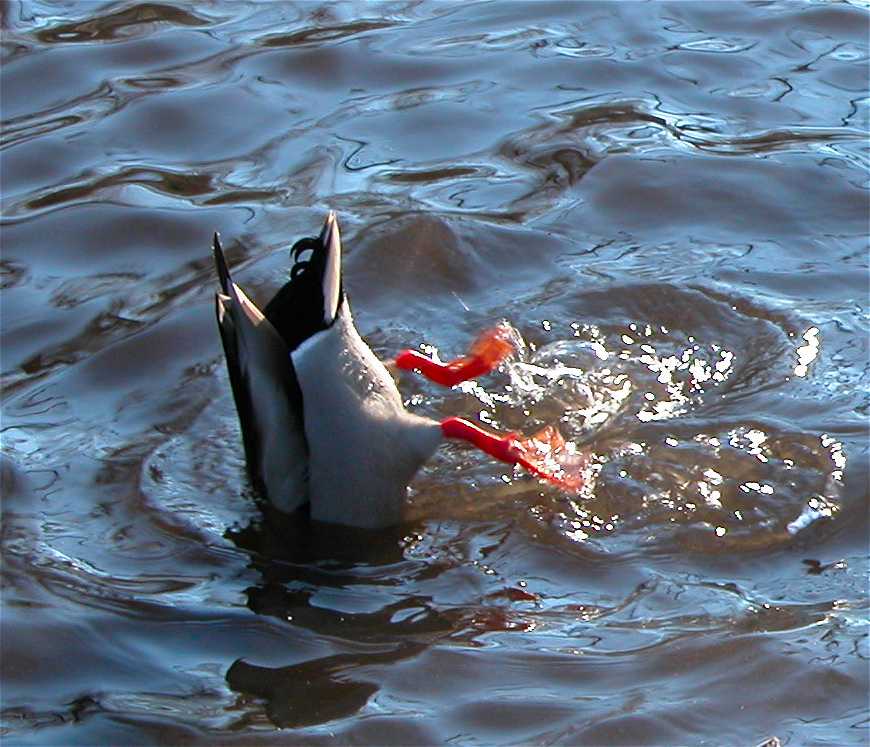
column 323, row 423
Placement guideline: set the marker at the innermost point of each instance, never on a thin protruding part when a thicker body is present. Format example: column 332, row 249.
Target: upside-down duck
column 321, row 417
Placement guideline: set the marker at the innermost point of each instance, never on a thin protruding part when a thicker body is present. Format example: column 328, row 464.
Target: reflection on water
column 666, row 201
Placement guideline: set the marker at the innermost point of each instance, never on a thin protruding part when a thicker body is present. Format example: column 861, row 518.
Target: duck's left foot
column 487, row 352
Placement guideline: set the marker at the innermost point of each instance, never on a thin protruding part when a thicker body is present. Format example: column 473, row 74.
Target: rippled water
column 668, row 202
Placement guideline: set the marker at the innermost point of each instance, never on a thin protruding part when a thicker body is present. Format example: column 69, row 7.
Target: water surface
column 667, row 201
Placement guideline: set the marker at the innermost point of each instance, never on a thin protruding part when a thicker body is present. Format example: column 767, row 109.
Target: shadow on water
column 296, row 557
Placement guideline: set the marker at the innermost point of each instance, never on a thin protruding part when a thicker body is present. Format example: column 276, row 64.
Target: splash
column 548, row 455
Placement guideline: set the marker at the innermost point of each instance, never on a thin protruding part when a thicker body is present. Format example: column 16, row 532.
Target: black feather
column 231, row 352
column 221, row 264
column 297, row 310
column 241, row 395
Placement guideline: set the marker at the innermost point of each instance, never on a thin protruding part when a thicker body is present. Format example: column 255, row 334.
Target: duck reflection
column 315, row 691
column 298, row 559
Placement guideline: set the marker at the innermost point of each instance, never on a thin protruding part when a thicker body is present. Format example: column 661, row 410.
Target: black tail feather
column 221, row 265
column 297, row 310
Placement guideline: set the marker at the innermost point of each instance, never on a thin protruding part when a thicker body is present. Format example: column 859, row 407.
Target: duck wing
column 267, row 394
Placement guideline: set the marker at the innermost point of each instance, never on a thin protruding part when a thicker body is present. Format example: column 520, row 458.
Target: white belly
column 363, row 446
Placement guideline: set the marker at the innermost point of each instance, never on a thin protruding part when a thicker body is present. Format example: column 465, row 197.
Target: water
column 668, row 202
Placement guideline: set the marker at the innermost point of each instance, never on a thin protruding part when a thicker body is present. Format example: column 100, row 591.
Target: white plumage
column 364, row 447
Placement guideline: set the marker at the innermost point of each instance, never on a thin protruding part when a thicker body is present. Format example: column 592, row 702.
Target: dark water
column 668, row 201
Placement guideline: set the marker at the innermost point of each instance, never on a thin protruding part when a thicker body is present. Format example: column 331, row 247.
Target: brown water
column 668, row 201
